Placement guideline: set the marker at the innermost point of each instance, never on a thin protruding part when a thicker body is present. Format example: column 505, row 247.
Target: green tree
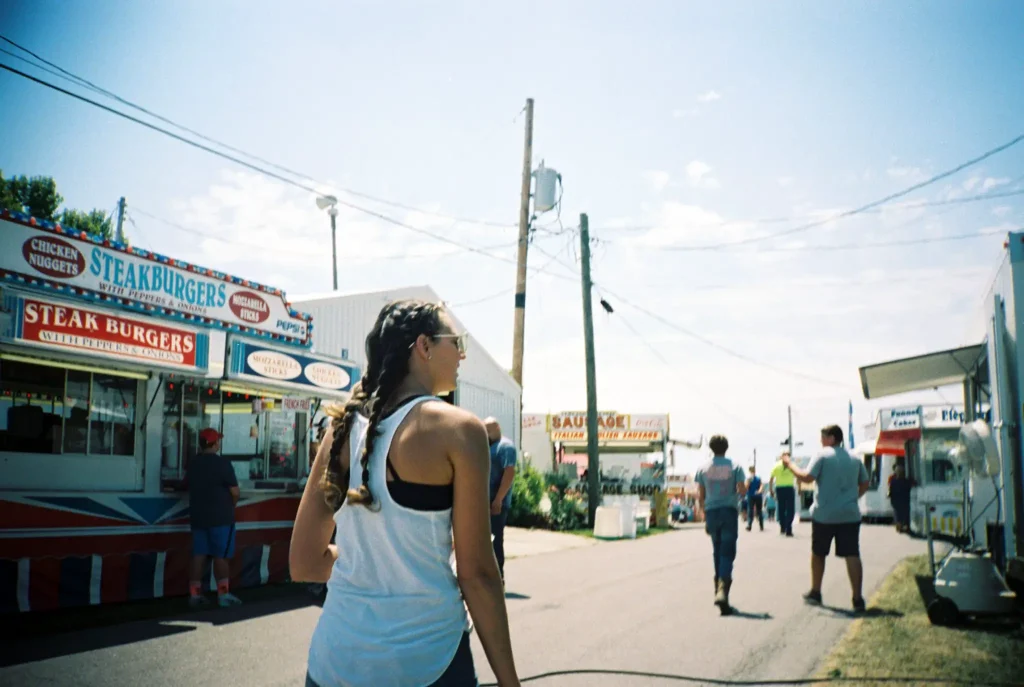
column 95, row 222
column 38, row 197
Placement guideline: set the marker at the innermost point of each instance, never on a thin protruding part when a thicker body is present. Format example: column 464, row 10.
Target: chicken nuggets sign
column 145, row 341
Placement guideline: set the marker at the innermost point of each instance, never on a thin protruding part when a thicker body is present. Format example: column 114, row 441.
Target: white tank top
column 394, row 613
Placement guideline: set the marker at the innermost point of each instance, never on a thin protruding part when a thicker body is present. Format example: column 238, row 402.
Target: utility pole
column 333, row 212
column 593, row 459
column 789, row 411
column 119, row 232
column 519, row 329
column 755, row 461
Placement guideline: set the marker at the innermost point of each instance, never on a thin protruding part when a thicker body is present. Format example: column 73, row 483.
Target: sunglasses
column 460, row 340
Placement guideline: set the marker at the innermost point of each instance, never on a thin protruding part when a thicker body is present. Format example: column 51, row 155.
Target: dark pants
column 754, row 503
column 498, row 530
column 722, row 524
column 786, row 496
column 460, row 672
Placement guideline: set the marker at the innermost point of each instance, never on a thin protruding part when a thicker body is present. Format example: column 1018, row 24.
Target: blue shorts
column 218, row 542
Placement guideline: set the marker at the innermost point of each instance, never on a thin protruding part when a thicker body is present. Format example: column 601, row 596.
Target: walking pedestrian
column 503, row 474
column 769, row 507
column 755, row 499
column 841, row 481
column 721, row 483
column 402, row 474
column 782, row 485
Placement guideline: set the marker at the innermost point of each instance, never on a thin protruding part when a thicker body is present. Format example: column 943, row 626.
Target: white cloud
column 658, row 179
column 709, row 97
column 785, row 181
column 698, row 174
column 1002, row 210
column 990, row 183
column 906, row 174
column 680, row 113
column 680, row 223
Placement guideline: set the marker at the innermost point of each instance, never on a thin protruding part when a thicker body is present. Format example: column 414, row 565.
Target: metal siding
column 343, row 321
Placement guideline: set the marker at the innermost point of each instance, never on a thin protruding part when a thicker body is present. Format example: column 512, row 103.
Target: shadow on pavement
column 737, row 613
column 515, row 596
column 41, row 636
column 869, row 613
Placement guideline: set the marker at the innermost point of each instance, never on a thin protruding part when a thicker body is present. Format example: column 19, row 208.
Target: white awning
column 921, row 372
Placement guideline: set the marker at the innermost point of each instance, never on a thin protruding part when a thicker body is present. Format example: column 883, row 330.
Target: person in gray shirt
column 721, row 482
column 841, row 480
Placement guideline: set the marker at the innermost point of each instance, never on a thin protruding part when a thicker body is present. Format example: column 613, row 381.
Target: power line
column 258, row 169
column 728, row 351
column 74, row 78
column 866, row 207
column 214, row 237
column 854, row 246
column 780, row 220
column 664, row 361
column 505, row 292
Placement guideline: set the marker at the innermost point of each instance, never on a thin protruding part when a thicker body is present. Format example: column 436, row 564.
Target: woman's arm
column 311, row 555
column 474, row 554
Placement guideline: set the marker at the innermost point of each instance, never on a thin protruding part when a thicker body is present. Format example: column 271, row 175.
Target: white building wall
column 342, row 321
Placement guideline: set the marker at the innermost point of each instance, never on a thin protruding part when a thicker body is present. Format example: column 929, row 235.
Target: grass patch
column 639, row 535
column 896, row 639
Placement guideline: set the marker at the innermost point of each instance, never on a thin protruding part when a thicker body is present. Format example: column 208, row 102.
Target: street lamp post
column 330, row 204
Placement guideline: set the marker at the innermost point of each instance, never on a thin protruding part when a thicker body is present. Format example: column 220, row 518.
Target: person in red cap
column 213, row 493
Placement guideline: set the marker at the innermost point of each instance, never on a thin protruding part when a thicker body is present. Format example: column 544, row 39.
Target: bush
column 527, row 491
column 567, row 511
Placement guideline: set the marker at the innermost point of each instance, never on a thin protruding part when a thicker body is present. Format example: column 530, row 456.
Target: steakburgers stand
column 111, row 361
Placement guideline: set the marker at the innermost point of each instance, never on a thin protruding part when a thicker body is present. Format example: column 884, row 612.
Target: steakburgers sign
column 62, row 326
column 167, row 287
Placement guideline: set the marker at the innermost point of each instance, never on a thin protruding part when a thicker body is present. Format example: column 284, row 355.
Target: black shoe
column 812, row 598
column 859, row 606
column 789, row 534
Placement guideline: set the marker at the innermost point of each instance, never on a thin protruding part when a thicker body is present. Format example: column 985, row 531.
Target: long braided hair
column 398, row 326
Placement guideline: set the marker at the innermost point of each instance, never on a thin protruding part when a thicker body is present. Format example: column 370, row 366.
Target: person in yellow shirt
column 782, row 486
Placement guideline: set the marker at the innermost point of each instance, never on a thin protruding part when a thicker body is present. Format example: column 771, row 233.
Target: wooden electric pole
column 519, row 329
column 593, row 459
column 119, row 232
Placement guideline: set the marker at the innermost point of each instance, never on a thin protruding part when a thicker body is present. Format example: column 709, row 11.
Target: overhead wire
column 724, row 349
column 781, row 220
column 657, row 354
column 865, row 207
column 260, row 170
column 504, row 292
column 61, row 72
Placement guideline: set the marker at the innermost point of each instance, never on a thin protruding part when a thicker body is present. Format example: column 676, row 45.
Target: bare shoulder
column 458, row 426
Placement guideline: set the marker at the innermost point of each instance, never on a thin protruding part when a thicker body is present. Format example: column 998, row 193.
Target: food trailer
column 112, row 359
column 922, row 439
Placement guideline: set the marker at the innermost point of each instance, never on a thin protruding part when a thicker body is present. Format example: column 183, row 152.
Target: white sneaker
column 228, row 599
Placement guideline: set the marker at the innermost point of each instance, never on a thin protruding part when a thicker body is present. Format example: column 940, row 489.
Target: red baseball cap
column 210, row 436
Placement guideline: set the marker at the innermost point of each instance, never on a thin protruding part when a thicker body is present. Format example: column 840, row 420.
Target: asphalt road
column 642, row 605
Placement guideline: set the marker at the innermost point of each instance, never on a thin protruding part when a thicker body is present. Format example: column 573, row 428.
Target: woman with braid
column 401, row 474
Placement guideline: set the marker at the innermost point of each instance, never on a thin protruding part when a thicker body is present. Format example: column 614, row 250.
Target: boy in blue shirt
column 721, row 485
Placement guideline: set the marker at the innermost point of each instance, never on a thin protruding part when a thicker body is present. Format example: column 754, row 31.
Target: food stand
column 111, row 360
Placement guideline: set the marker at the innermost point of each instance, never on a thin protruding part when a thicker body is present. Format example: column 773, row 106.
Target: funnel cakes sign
column 69, row 262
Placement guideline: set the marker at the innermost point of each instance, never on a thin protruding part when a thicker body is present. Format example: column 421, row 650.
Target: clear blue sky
column 670, row 115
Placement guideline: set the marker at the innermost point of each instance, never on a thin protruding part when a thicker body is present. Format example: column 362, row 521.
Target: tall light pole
column 330, row 203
